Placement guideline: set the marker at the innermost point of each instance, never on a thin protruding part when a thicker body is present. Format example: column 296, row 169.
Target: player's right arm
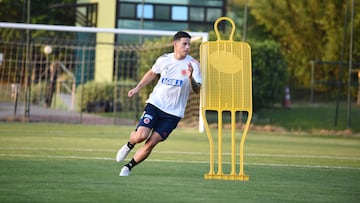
column 146, row 79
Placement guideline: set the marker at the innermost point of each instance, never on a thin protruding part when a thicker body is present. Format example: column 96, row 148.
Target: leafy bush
column 100, row 97
column 269, row 74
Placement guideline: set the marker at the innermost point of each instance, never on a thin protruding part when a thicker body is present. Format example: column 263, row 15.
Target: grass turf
column 75, row 163
column 312, row 118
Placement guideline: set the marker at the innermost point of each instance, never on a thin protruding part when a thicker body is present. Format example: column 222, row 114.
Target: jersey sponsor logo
column 172, row 82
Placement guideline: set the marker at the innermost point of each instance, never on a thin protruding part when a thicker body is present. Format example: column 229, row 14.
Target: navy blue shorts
column 159, row 121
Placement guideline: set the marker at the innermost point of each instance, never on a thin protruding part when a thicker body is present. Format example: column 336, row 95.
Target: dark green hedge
column 102, row 97
column 269, row 74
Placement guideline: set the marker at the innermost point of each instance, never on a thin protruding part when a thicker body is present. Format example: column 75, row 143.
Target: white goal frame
column 196, row 35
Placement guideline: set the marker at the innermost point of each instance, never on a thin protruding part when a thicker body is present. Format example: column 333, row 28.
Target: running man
column 179, row 74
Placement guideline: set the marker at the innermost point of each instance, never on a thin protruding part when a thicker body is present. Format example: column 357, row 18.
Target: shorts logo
column 146, row 120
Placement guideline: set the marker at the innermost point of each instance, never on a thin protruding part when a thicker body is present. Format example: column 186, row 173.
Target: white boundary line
column 177, row 161
column 305, row 156
column 56, row 149
column 186, row 153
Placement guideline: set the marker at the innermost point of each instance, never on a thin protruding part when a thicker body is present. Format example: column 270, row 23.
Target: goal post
column 65, row 28
column 203, row 36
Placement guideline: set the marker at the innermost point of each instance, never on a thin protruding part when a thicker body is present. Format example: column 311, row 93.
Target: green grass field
column 312, row 118
column 75, row 163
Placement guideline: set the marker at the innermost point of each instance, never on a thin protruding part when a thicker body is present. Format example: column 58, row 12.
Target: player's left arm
column 195, row 86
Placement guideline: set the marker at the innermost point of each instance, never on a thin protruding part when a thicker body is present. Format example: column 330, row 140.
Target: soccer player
column 179, row 74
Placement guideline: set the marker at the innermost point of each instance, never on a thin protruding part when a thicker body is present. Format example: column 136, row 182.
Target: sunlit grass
column 75, row 163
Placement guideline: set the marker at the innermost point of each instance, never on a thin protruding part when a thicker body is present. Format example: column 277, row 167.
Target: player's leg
column 166, row 124
column 137, row 136
column 142, row 132
column 142, row 153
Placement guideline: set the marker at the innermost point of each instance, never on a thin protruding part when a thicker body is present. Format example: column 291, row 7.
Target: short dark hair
column 181, row 34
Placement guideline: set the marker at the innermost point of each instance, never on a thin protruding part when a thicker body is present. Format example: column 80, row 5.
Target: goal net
column 47, row 71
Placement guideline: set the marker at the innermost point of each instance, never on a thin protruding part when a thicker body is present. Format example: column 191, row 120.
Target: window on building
column 162, row 12
column 213, row 14
column 197, row 14
column 145, row 11
column 179, row 13
column 127, row 10
column 192, row 14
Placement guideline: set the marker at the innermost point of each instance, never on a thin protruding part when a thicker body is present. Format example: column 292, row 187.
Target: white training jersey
column 173, row 88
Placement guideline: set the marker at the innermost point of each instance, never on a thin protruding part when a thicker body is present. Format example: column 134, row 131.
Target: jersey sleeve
column 196, row 70
column 157, row 67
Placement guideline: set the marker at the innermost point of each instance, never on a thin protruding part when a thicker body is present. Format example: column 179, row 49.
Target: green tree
column 52, row 12
column 41, row 12
column 254, row 31
column 307, row 30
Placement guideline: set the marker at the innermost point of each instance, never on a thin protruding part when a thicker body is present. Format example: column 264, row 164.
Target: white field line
column 173, row 152
column 268, row 155
column 55, row 157
column 265, row 164
column 305, row 156
column 179, row 152
column 55, row 149
column 177, row 161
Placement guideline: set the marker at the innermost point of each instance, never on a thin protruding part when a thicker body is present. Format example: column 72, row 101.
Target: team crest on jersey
column 183, row 72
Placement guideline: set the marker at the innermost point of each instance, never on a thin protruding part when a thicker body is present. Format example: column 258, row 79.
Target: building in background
column 189, row 15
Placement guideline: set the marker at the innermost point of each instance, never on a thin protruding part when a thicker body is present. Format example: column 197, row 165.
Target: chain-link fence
column 45, row 80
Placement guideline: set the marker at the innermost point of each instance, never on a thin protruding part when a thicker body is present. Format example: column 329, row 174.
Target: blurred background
column 304, row 54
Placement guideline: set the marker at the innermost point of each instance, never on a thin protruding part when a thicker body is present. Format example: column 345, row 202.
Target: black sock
column 130, row 145
column 131, row 164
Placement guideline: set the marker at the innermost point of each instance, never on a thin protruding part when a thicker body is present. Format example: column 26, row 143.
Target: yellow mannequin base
column 226, row 177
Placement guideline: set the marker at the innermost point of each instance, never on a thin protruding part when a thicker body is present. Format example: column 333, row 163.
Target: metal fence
column 42, row 81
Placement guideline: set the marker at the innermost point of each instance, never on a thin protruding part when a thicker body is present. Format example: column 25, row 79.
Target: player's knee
column 138, row 136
